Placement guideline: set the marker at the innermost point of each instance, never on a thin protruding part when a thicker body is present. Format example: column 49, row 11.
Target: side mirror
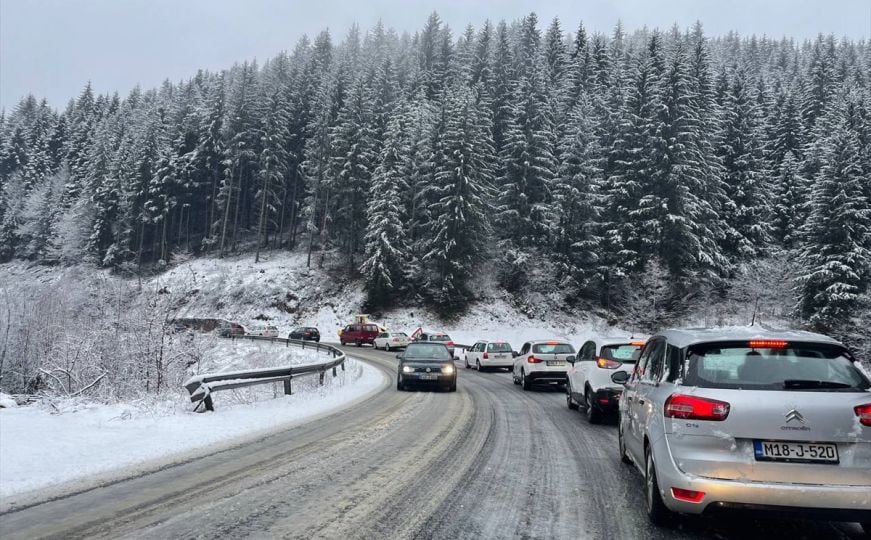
column 399, row 356
column 515, row 354
column 621, row 377
column 571, row 360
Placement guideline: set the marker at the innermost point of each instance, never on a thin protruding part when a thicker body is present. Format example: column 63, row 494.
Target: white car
column 263, row 330
column 542, row 361
column 489, row 354
column 391, row 340
column 589, row 378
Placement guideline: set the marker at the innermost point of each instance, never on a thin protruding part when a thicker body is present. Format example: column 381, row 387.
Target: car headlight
column 407, row 369
column 448, row 369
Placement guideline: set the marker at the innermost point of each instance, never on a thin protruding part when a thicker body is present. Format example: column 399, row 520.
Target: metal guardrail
column 201, row 387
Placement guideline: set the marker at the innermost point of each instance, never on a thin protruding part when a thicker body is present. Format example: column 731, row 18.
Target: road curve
column 489, row 461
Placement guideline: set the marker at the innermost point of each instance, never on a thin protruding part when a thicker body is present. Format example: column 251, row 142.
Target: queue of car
column 715, row 420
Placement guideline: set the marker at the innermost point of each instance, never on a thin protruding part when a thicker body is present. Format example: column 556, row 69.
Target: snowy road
column 490, row 461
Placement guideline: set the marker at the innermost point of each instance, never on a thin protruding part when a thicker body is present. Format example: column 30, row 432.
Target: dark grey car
column 429, row 364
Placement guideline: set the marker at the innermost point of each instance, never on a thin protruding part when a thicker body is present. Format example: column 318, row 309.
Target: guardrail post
column 321, row 378
column 334, row 371
column 287, row 389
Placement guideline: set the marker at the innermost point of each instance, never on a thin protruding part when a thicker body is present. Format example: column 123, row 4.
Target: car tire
column 466, row 362
column 358, row 343
column 594, row 414
column 657, row 512
column 342, row 342
column 453, row 387
column 399, row 385
column 514, row 378
column 569, row 401
column 621, row 443
column 526, row 383
column 478, row 366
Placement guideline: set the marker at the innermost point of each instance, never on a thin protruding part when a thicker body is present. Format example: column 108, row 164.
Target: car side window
column 524, row 349
column 481, row 346
column 588, row 351
column 655, row 362
column 641, row 365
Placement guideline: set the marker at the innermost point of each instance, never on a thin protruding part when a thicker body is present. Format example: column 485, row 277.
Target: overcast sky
column 51, row 48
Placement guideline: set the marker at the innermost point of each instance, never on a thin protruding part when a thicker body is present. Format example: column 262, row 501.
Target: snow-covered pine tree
column 388, row 256
column 835, row 250
column 461, row 209
column 576, row 194
column 746, row 179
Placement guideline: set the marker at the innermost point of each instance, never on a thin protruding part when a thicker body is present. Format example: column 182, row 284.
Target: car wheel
column 514, row 378
column 569, row 401
column 399, row 385
column 594, row 414
column 526, row 383
column 466, row 362
column 656, row 510
column 342, row 342
column 621, row 444
column 358, row 343
column 453, row 387
column 478, row 366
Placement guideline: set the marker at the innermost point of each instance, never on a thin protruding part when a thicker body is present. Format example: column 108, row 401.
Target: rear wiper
column 798, row 384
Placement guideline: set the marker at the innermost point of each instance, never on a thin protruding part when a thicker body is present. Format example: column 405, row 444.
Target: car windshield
column 814, row 367
column 622, row 353
column 498, row 347
column 440, row 337
column 553, row 348
column 427, row 351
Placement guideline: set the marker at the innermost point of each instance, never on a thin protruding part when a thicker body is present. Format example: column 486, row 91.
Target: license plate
column 428, row 376
column 555, row 363
column 796, row 452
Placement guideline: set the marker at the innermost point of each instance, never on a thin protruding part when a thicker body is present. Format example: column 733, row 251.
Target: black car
column 307, row 333
column 427, row 364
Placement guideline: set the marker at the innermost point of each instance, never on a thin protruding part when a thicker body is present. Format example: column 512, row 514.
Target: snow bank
column 7, row 402
column 43, row 448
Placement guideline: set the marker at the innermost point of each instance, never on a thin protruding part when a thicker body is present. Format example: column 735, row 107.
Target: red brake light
column 486, row 356
column 638, row 343
column 864, row 414
column 605, row 363
column 552, row 343
column 533, row 360
column 695, row 408
column 687, row 495
column 768, row 344
column 450, row 343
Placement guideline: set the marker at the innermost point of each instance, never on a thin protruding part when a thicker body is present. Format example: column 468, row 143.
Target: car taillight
column 486, row 355
column 687, row 495
column 695, row 408
column 534, row 360
column 450, row 343
column 605, row 363
column 864, row 414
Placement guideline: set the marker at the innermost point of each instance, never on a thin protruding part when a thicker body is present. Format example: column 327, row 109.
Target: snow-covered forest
column 418, row 159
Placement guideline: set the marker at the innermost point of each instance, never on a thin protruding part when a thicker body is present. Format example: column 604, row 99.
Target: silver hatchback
column 749, row 419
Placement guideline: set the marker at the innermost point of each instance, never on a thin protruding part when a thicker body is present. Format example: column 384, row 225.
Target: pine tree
column 461, row 209
column 835, row 250
column 388, row 254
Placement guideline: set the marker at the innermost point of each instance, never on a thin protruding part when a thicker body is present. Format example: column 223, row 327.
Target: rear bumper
column 607, row 399
column 787, row 512
column 497, row 363
column 851, row 503
column 541, row 377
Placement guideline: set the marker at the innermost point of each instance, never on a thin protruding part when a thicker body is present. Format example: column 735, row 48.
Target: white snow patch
column 76, row 441
column 7, row 402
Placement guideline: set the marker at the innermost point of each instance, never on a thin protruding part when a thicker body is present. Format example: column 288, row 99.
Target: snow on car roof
column 621, row 340
column 684, row 337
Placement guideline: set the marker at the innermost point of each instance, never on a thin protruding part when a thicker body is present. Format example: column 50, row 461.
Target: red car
column 359, row 334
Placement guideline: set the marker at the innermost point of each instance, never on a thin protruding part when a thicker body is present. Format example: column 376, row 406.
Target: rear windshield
column 498, row 347
column 440, row 337
column 553, row 348
column 804, row 367
column 622, row 353
column 400, row 334
column 427, row 351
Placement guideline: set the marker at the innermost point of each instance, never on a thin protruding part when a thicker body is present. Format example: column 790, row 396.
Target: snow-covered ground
column 281, row 288
column 78, row 443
